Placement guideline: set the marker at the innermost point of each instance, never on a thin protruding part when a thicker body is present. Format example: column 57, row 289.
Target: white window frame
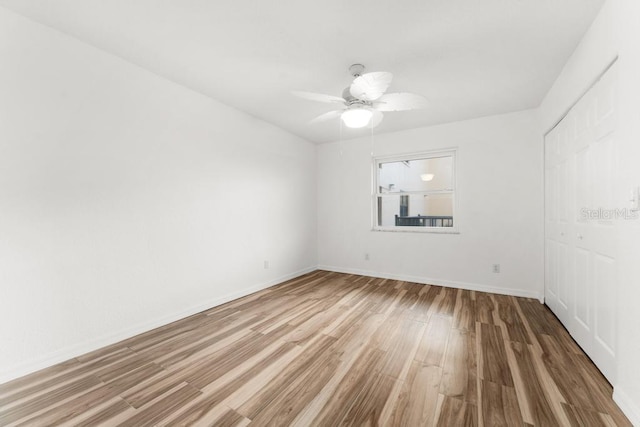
column 375, row 193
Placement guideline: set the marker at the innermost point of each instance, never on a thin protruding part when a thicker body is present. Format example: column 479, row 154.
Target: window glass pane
column 416, row 210
column 416, row 175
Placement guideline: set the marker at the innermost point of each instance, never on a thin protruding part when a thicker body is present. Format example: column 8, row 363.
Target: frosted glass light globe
column 356, row 117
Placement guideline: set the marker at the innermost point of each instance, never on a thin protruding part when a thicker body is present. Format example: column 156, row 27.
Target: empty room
column 278, row 213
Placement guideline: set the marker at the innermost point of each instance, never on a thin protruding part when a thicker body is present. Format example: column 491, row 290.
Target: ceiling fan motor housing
column 352, row 100
column 355, row 70
column 346, row 94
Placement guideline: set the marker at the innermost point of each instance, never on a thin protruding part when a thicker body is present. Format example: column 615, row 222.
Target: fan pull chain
column 372, row 141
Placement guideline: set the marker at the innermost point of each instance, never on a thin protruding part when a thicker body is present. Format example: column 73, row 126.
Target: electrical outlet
column 366, row 257
column 266, row 264
column 496, row 268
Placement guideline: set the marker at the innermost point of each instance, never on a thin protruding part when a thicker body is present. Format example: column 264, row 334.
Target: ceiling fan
column 364, row 101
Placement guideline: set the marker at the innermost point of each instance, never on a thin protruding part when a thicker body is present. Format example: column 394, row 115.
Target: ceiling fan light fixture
column 356, row 117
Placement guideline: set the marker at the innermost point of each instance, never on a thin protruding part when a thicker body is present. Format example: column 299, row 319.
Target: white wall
column 127, row 201
column 614, row 32
column 593, row 54
column 499, row 212
column 627, row 389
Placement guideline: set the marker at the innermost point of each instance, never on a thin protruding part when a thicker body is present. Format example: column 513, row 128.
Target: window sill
column 433, row 230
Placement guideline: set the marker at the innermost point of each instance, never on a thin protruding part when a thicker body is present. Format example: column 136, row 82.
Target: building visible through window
column 415, row 192
column 404, row 205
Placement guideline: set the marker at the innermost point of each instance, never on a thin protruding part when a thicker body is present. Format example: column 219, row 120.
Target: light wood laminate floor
column 331, row 349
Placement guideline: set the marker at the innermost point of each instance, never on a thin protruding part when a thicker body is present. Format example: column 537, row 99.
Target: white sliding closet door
column 580, row 259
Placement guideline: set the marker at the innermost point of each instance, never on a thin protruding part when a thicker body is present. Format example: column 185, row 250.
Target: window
column 415, row 192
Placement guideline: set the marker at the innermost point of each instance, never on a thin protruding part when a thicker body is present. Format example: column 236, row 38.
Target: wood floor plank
column 35, row 378
column 244, row 392
column 329, row 349
column 601, row 390
column 433, row 344
column 416, row 404
column 484, row 308
column 433, row 298
column 226, row 361
column 214, row 396
column 308, row 329
column 499, row 405
column 155, row 412
column 285, row 314
column 464, row 313
column 350, row 348
column 368, row 406
column 48, row 400
column 84, row 402
column 402, row 349
column 494, row 364
column 342, row 324
column 292, row 399
column 193, row 336
column 103, row 415
column 123, row 367
column 573, row 388
column 150, row 388
column 520, row 386
column 407, row 300
column 344, row 393
column 262, row 399
column 423, row 307
column 42, row 386
column 231, row 419
column 447, row 303
column 508, row 317
column 459, row 378
column 38, row 388
column 209, row 343
column 455, row 412
column 538, row 399
column 579, row 417
column 538, row 319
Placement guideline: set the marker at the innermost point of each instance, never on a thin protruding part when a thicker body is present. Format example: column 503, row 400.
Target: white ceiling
column 470, row 58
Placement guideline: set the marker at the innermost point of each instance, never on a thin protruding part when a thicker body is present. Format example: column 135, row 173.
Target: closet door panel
column 580, row 218
column 563, row 272
column 604, row 275
column 583, row 288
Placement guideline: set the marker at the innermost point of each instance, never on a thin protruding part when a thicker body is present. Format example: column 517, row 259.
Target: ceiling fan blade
column 371, row 86
column 376, row 118
column 320, row 97
column 327, row 116
column 400, row 102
